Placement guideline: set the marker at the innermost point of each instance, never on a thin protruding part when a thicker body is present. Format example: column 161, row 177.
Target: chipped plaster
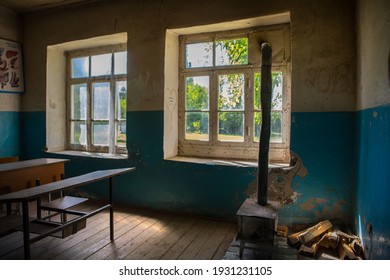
column 280, row 181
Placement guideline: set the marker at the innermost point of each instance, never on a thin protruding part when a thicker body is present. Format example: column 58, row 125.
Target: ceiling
column 22, row 6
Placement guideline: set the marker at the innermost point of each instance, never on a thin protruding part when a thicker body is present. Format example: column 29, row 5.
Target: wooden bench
column 18, row 175
column 23, row 174
column 8, row 159
column 31, row 194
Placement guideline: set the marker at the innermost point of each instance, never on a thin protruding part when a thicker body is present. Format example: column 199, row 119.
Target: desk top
column 35, row 192
column 17, row 165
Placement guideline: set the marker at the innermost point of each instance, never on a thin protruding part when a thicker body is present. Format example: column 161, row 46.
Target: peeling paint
column 332, row 211
column 311, row 203
column 280, row 182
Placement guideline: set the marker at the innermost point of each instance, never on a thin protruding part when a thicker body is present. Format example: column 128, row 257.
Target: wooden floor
column 139, row 234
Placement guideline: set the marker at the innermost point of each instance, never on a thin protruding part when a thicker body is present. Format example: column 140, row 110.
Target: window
column 97, row 94
column 219, row 113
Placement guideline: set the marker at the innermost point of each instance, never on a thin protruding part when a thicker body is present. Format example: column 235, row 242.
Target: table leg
column 26, row 231
column 111, row 213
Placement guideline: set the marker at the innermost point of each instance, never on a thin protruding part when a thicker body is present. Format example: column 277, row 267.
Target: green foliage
column 197, row 96
column 231, row 92
column 236, row 50
column 123, row 102
column 276, row 96
column 231, row 97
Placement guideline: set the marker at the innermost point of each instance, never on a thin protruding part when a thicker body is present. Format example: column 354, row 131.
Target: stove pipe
column 265, row 132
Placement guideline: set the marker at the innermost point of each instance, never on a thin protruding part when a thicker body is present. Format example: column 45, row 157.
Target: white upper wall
column 373, row 23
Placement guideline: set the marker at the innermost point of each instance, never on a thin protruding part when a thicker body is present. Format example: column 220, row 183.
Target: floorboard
column 139, row 234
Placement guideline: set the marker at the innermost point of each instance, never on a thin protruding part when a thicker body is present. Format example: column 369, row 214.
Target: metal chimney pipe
column 266, row 98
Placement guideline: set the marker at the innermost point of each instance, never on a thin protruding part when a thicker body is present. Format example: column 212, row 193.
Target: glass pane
column 78, row 133
column 231, row 52
column 100, row 133
column 199, row 55
column 80, row 67
column 231, row 92
column 277, row 91
column 197, row 126
column 121, row 99
column 257, row 126
column 120, row 63
column 101, row 64
column 197, row 93
column 121, row 134
column 101, row 101
column 79, row 101
column 276, row 127
column 231, row 126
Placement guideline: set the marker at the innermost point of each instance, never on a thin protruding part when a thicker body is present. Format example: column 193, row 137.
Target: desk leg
column 111, row 213
column 26, row 231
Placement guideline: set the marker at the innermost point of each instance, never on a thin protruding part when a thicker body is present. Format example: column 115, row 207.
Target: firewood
column 315, row 232
column 308, row 250
column 282, row 231
column 345, row 251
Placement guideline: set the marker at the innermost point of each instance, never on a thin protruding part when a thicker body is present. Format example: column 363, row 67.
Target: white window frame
column 112, row 148
column 248, row 149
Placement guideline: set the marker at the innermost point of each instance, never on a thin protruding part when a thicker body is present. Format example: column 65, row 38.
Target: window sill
column 224, row 162
column 90, row 154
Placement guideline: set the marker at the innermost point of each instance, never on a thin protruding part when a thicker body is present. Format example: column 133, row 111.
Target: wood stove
column 257, row 220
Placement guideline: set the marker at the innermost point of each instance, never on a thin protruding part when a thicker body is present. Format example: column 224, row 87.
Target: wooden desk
column 20, row 175
column 31, row 194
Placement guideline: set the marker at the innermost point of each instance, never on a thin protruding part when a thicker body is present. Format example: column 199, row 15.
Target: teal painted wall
column 325, row 143
column 373, row 180
column 213, row 190
column 33, row 134
column 10, row 134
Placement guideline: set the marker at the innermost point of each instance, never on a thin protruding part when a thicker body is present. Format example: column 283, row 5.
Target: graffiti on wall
column 335, row 79
column 11, row 70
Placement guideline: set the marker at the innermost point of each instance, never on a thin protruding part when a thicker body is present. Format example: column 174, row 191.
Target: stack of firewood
column 323, row 241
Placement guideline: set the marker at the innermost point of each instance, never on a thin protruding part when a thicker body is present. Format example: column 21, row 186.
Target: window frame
column 248, row 149
column 112, row 79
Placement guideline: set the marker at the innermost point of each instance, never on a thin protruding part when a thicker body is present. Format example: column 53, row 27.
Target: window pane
column 78, row 133
column 80, row 67
column 79, row 101
column 199, row 55
column 121, row 99
column 120, row 63
column 101, row 64
column 100, row 133
column 197, row 126
column 277, row 91
column 101, row 101
column 197, row 93
column 276, row 127
column 257, row 126
column 231, row 52
column 121, row 134
column 231, row 126
column 231, row 92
